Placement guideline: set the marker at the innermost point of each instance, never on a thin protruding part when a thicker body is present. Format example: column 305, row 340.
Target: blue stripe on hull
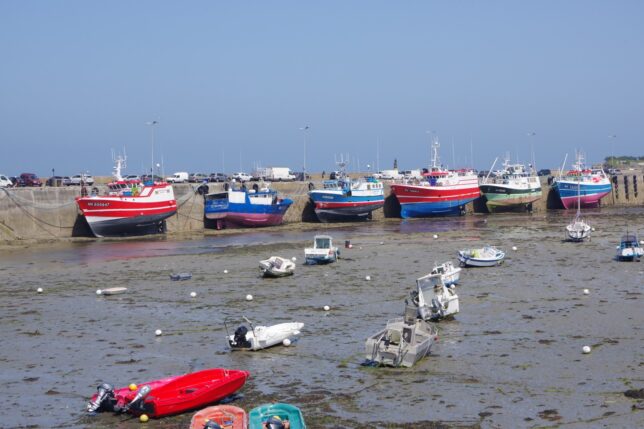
column 439, row 208
column 320, row 197
column 567, row 189
column 212, row 208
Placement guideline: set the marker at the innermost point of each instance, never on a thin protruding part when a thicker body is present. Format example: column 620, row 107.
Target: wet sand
column 511, row 358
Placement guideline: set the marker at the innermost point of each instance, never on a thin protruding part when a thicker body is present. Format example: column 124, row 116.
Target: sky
column 234, row 84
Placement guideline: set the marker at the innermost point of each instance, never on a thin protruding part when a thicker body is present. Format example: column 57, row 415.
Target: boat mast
column 491, row 169
column 435, row 157
column 562, row 167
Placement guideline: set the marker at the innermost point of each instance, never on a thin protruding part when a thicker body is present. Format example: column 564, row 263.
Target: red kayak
column 172, row 395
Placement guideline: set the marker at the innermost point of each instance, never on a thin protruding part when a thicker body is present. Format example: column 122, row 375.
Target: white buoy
column 193, row 294
column 225, row 271
column 360, row 248
column 39, row 290
column 293, row 259
column 585, row 349
column 593, row 229
column 99, row 292
column 286, row 342
column 514, row 247
column 367, row 278
column 327, row 308
column 249, row 297
column 641, row 241
column 586, row 292
column 350, row 246
column 435, row 236
column 382, row 242
column 158, row 332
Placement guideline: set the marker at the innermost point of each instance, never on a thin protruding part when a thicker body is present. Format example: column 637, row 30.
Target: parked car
column 218, row 177
column 149, row 177
column 197, row 177
column 29, row 179
column 614, row 171
column 483, row 173
column 179, row 177
column 81, row 179
column 242, row 177
column 300, row 176
column 5, row 182
column 56, row 181
column 132, row 178
column 544, row 172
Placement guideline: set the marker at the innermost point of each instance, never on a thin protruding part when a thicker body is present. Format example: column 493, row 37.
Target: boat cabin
column 323, row 242
column 628, row 241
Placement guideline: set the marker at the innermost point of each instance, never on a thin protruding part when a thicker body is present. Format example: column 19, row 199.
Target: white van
column 5, row 182
column 280, row 173
column 180, row 177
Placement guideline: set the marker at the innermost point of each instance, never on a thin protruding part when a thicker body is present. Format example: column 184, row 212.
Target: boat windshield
column 322, row 243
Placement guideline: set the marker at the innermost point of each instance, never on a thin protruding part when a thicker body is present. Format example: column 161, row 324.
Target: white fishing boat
column 403, row 342
column 253, row 337
column 487, row 256
column 276, row 266
column 434, row 299
column 322, row 252
column 449, row 273
column 629, row 248
column 578, row 230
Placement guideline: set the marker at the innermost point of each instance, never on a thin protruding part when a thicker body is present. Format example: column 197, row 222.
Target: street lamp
column 612, row 138
column 152, row 124
column 305, row 130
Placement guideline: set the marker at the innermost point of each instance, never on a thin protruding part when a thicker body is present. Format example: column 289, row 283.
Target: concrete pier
column 51, row 212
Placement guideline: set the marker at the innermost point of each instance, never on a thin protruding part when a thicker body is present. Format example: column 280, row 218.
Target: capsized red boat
column 171, row 395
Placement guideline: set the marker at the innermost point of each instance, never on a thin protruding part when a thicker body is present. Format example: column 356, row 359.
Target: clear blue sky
column 79, row 78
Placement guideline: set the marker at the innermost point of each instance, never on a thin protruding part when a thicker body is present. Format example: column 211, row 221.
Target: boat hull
column 262, row 337
column 503, row 198
column 590, row 194
column 259, row 415
column 340, row 207
column 425, row 201
column 128, row 226
column 472, row 261
column 226, row 416
column 248, row 215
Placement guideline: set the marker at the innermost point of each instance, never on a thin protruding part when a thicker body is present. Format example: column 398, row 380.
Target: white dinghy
column 434, row 299
column 322, row 252
column 276, row 266
column 253, row 337
column 448, row 272
column 403, row 342
column 487, row 256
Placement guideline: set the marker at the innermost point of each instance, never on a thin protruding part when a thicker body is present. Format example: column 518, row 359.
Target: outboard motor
column 239, row 338
column 141, row 394
column 105, row 394
column 274, row 423
column 211, row 424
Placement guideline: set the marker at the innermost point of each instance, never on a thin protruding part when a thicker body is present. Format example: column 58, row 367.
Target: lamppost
column 305, row 130
column 152, row 124
column 612, row 138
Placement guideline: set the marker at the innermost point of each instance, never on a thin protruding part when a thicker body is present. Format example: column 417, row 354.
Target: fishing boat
column 487, row 256
column 171, row 395
column 239, row 206
column 275, row 416
column 276, row 266
column 346, row 199
column 449, row 273
column 129, row 208
column 439, row 192
column 322, row 252
column 254, row 338
column 434, row 299
column 629, row 248
column 578, row 230
column 404, row 341
column 224, row 416
column 581, row 186
column 514, row 187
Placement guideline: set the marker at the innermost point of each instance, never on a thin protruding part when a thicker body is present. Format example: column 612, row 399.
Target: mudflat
column 512, row 357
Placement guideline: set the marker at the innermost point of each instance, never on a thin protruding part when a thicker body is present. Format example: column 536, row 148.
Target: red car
column 29, row 179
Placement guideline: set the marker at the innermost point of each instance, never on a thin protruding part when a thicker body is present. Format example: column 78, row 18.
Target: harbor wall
column 51, row 212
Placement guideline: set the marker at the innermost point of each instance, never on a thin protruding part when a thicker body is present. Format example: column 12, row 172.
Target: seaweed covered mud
column 512, row 357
